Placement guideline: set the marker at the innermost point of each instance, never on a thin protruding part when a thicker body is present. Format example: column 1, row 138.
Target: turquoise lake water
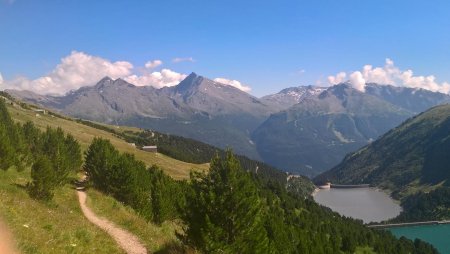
column 438, row 235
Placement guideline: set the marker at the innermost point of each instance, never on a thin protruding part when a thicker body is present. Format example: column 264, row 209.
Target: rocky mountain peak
column 104, row 82
column 190, row 82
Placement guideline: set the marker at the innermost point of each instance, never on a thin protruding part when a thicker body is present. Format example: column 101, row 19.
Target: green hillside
column 84, row 134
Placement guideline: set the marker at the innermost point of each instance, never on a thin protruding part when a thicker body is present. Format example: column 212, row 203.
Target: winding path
column 127, row 241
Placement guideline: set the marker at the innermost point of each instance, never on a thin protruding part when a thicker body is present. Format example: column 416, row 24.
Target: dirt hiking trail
column 127, row 241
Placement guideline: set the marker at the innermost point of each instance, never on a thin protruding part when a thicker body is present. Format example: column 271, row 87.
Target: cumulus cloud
column 234, row 83
column 183, row 59
column 157, row 79
column 392, row 75
column 76, row 70
column 339, row 78
column 1, row 79
column 357, row 80
column 153, row 64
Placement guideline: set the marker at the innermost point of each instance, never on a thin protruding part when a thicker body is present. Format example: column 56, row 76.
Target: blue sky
column 267, row 45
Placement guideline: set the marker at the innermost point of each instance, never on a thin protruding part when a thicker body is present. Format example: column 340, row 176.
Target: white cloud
column 157, row 79
column 357, row 80
column 1, row 79
column 153, row 64
column 339, row 78
column 234, row 83
column 183, row 59
column 390, row 74
column 76, row 70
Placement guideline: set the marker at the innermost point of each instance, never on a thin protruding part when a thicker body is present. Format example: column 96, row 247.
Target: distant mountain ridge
column 413, row 99
column 288, row 97
column 412, row 156
column 304, row 129
column 315, row 134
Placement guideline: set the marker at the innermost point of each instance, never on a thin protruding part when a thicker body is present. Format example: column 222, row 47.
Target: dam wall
column 349, row 186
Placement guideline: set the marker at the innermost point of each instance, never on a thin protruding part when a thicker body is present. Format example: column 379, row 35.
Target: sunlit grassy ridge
column 84, row 134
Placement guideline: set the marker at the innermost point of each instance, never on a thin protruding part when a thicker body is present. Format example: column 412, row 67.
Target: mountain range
column 304, row 129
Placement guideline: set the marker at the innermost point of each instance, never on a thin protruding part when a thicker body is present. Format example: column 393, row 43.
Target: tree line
column 153, row 194
column 193, row 151
column 52, row 154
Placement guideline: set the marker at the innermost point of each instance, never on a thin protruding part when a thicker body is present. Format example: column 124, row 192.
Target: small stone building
column 152, row 149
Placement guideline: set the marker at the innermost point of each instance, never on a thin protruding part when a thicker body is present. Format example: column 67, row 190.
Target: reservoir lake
column 366, row 204
column 373, row 205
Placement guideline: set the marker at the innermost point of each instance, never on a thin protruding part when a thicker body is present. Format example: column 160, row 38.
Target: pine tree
column 165, row 194
column 73, row 152
column 33, row 141
column 43, row 180
column 100, row 157
column 224, row 213
column 64, row 153
column 11, row 141
column 156, row 195
column 7, row 152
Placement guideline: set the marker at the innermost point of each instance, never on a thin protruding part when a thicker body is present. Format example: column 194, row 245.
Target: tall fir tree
column 73, row 152
column 11, row 141
column 224, row 213
column 43, row 179
column 63, row 151
column 100, row 157
column 33, row 141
